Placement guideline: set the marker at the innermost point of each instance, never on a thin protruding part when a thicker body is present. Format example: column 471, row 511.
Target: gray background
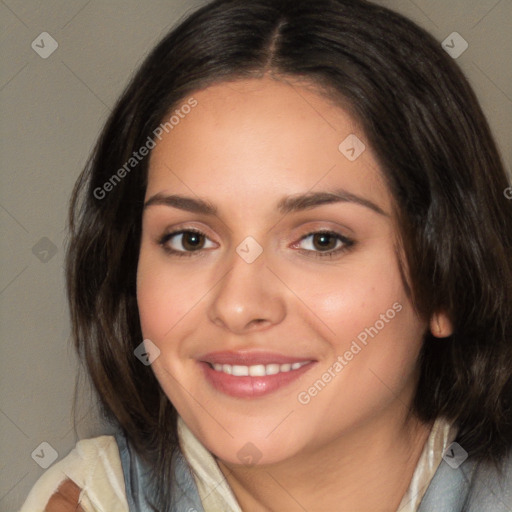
column 51, row 112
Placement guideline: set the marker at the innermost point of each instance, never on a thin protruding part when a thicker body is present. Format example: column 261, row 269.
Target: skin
column 65, row 499
column 245, row 146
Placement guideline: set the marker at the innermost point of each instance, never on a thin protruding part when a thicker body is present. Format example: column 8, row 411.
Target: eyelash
column 347, row 244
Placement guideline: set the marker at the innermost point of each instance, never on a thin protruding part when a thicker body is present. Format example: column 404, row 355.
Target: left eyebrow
column 314, row 199
column 286, row 205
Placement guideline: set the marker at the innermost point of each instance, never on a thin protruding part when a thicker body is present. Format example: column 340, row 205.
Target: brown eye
column 192, row 241
column 324, row 241
column 185, row 241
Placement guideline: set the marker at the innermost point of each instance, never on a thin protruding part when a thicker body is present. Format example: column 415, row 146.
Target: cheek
column 365, row 315
column 164, row 295
column 346, row 299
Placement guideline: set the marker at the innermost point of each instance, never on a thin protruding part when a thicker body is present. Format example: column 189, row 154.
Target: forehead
column 263, row 138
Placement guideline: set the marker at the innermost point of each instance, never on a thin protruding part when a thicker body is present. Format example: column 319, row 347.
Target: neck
column 368, row 469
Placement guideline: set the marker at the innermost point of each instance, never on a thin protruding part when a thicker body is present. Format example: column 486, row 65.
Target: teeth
column 257, row 370
column 271, row 369
column 239, row 371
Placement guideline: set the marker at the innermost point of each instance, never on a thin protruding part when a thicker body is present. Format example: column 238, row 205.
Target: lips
column 252, row 374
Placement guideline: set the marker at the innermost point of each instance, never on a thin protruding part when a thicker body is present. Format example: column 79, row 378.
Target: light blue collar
column 185, row 497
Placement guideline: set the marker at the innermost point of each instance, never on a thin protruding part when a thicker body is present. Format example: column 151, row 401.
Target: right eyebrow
column 188, row 204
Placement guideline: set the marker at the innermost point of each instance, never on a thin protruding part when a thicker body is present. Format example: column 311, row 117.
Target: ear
column 440, row 325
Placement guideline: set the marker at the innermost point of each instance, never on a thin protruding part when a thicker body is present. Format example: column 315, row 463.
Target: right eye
column 184, row 242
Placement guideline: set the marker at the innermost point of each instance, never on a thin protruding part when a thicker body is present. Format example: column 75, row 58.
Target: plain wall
column 52, row 110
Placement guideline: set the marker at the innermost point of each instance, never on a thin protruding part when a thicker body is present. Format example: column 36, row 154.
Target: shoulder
column 471, row 487
column 65, row 499
column 91, row 474
column 491, row 487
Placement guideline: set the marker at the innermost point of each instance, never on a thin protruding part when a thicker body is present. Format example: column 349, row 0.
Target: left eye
column 325, row 241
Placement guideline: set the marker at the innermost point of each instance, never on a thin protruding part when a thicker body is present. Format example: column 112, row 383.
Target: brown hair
column 438, row 156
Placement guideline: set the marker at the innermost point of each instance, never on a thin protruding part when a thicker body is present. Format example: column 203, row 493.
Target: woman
column 290, row 274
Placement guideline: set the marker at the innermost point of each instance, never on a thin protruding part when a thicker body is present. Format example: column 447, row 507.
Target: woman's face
column 288, row 257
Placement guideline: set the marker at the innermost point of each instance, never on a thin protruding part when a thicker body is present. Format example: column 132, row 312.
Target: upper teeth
column 257, row 370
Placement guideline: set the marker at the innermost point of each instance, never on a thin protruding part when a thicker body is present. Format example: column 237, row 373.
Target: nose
column 248, row 298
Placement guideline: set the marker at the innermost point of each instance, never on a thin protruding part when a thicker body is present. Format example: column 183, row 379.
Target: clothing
column 113, row 479
column 215, row 496
column 94, row 465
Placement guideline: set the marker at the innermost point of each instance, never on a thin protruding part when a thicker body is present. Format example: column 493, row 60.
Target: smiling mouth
column 257, row 370
column 255, row 380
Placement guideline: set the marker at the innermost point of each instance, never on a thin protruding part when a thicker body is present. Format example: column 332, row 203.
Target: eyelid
column 176, row 229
